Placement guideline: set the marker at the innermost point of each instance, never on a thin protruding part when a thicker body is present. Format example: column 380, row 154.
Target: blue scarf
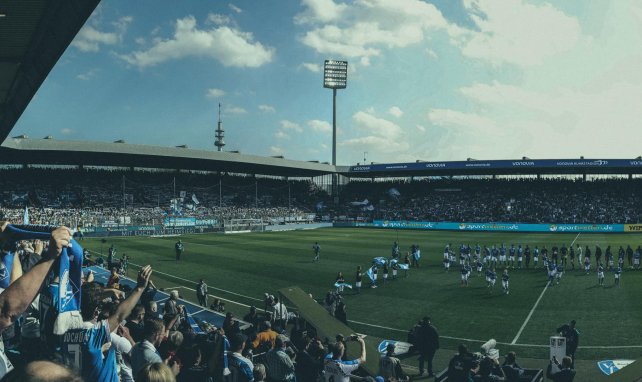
column 68, row 268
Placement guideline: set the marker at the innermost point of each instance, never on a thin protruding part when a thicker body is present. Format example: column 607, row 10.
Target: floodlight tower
column 335, row 76
column 220, row 133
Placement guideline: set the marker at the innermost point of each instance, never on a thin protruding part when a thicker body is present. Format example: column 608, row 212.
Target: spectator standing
column 280, row 313
column 572, row 336
column 265, row 338
column 512, row 371
column 390, row 366
column 201, row 293
column 145, row 352
column 566, row 373
column 459, row 367
column 340, row 313
column 279, row 365
column 114, row 279
column 111, row 252
column 230, row 325
column 309, row 362
column 337, row 370
column 135, row 323
column 427, row 345
column 156, row 372
column 241, row 368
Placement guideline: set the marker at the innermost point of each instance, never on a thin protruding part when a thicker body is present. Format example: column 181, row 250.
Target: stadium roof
column 33, row 36
column 48, row 151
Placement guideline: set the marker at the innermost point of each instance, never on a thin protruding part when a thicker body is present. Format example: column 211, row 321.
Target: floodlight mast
column 335, row 76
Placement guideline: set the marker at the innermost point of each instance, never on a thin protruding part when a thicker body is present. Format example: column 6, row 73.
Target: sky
column 427, row 80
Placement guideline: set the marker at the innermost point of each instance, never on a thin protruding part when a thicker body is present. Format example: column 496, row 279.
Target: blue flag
column 380, row 261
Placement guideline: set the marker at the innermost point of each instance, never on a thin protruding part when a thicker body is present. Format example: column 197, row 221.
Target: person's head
column 337, row 349
column 252, row 310
column 152, row 306
column 237, row 343
column 339, row 274
column 201, row 281
column 567, row 362
column 114, row 271
column 138, row 314
column 175, row 339
column 259, row 372
column 390, row 349
column 91, row 301
column 463, row 349
column 190, row 355
column 359, row 268
column 572, row 324
column 173, row 295
column 154, row 330
column 511, row 357
column 42, row 371
column 315, row 348
column 281, row 341
column 266, row 326
column 155, row 372
column 425, row 320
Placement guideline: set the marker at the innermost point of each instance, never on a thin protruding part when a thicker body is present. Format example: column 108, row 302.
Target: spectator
column 114, row 279
column 572, row 336
column 230, row 325
column 259, row 373
column 280, row 313
column 279, row 365
column 41, row 371
column 169, row 346
column 151, row 310
column 242, row 368
column 156, row 372
column 459, row 367
column 512, row 371
column 265, row 339
column 340, row 313
column 145, row 351
column 252, row 318
column 309, row 362
column 193, row 370
column 390, row 366
column 135, row 323
column 338, row 370
column 427, row 345
column 171, row 305
column 566, row 373
column 201, row 293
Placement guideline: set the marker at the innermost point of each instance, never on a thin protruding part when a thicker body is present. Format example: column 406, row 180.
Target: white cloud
column 364, row 28
column 88, row 75
column 280, row 134
column 235, row 8
column 235, row 110
column 314, row 68
column 321, row 126
column 377, row 126
column 517, row 32
column 218, row 19
column 214, row 93
column 266, row 108
column 383, row 137
column 395, row 111
column 66, row 131
column 89, row 38
column 421, row 128
column 275, row 150
column 288, row 125
column 228, row 45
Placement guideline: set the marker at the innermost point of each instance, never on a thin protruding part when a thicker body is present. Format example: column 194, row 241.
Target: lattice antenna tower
column 220, row 133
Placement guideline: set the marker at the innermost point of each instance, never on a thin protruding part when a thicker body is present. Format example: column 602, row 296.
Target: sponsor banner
column 633, row 228
column 610, row 366
column 500, row 226
column 179, row 222
column 206, row 223
column 400, row 347
column 500, row 164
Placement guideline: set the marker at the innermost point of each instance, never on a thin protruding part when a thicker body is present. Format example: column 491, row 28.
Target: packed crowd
column 476, row 200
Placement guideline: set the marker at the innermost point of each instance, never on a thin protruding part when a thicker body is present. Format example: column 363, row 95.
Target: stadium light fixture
column 335, row 76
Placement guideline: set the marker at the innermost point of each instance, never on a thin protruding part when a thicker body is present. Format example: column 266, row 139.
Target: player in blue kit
column 446, row 263
column 535, row 256
column 620, row 257
column 545, row 255
column 491, row 277
column 502, row 255
column 465, row 274
column 636, row 257
column 552, row 270
column 511, row 255
column 520, row 255
column 571, row 256
column 505, row 278
column 480, row 266
column 617, row 273
column 82, row 348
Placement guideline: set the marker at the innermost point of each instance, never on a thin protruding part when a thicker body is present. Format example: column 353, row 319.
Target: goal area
column 243, row 225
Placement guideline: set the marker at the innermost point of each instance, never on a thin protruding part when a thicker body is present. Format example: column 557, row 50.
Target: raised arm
column 125, row 308
column 17, row 297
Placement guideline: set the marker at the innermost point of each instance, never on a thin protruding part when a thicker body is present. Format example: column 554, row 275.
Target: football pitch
column 242, row 267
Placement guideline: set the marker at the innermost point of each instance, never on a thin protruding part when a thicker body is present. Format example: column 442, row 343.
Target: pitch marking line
column 530, row 314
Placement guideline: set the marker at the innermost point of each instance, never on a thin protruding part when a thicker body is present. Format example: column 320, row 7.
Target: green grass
column 251, row 264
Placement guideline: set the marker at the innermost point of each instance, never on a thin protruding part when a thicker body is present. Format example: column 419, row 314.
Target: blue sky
column 440, row 80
